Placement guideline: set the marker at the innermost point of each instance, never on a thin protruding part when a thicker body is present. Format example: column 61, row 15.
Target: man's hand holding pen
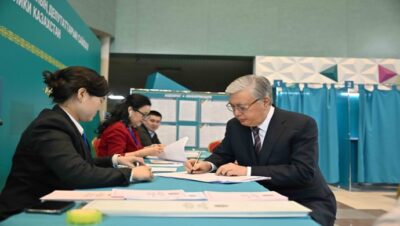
column 195, row 166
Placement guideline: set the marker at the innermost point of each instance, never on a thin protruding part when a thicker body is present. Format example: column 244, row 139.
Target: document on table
column 198, row 208
column 148, row 194
column 244, row 196
column 175, row 151
column 62, row 195
column 164, row 162
column 194, row 196
column 212, row 177
column 170, row 164
column 163, row 169
column 157, row 194
column 192, row 154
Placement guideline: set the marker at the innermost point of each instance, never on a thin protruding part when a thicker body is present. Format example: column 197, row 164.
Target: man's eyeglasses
column 143, row 114
column 240, row 108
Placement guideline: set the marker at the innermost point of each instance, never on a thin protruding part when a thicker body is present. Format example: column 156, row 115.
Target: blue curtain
column 289, row 98
column 379, row 136
column 321, row 105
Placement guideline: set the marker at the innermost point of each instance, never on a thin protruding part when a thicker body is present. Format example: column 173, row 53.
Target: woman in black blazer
column 53, row 153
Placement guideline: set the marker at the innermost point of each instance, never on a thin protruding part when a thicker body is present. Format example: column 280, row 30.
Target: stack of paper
column 175, row 151
column 157, row 162
column 122, row 194
column 148, row 194
column 62, row 195
column 199, row 208
column 212, row 177
column 192, row 154
column 244, row 196
column 157, row 194
column 163, row 169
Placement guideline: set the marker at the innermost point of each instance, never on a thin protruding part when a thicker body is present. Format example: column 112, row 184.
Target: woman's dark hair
column 120, row 112
column 64, row 83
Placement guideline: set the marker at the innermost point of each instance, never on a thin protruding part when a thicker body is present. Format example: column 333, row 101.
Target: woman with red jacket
column 118, row 134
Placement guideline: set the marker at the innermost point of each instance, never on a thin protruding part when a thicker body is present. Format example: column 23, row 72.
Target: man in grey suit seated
column 147, row 131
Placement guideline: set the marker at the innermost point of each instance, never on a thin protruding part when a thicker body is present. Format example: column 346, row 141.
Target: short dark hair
column 64, row 83
column 120, row 112
column 155, row 113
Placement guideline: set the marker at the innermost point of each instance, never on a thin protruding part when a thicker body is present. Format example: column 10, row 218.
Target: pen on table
column 197, row 160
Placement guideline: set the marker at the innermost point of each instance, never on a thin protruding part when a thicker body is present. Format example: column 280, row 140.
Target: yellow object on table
column 84, row 216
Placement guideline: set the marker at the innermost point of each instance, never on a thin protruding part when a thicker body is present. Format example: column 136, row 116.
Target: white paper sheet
column 165, row 162
column 62, row 195
column 187, row 110
column 192, row 154
column 244, row 196
column 212, row 177
column 175, row 165
column 175, row 151
column 148, row 194
column 166, row 134
column 198, row 208
column 163, row 169
column 194, row 196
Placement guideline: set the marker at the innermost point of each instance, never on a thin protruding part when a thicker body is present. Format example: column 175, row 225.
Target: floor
column 363, row 206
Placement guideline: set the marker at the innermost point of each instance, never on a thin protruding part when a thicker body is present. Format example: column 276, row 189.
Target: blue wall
column 331, row 28
column 28, row 48
column 98, row 14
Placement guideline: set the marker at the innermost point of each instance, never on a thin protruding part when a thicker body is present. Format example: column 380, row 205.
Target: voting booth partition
column 356, row 128
column 201, row 116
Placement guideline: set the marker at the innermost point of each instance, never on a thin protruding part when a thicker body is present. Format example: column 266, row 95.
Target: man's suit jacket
column 117, row 139
column 289, row 156
column 145, row 137
column 51, row 155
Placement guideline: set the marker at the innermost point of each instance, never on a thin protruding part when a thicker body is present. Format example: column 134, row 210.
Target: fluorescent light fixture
column 116, row 97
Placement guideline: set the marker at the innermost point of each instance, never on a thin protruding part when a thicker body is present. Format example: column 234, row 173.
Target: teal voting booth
column 201, row 116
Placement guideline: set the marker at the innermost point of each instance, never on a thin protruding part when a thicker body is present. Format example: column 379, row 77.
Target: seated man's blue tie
column 85, row 140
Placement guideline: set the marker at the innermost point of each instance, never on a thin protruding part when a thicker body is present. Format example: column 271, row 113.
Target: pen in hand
column 197, row 160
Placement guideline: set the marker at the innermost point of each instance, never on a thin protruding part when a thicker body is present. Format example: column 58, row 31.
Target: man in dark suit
column 267, row 141
column 147, row 131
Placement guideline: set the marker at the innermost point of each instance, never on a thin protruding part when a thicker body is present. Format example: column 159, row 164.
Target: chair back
column 95, row 144
column 213, row 145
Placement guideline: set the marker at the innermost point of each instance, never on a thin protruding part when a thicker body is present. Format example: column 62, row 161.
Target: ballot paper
column 62, row 195
column 192, row 154
column 212, row 177
column 165, row 162
column 194, row 196
column 244, row 196
column 165, row 195
column 148, row 194
column 163, row 169
column 198, row 208
column 175, row 151
column 173, row 164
